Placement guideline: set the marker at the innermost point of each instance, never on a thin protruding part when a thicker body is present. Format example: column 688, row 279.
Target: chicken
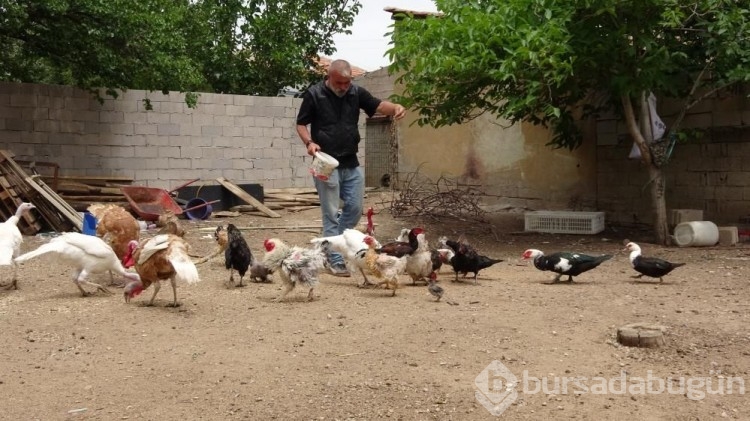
column 162, row 257
column 419, row 264
column 565, row 263
column 348, row 244
column 222, row 242
column 649, row 266
column 118, row 228
column 436, row 290
column 383, row 266
column 163, row 219
column 370, row 227
column 172, row 227
column 259, row 272
column 10, row 242
column 295, row 265
column 402, row 248
column 467, row 259
column 87, row 253
column 237, row 255
column 403, row 235
column 438, row 256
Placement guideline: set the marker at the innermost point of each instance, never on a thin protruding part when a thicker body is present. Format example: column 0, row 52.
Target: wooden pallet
column 9, row 202
column 20, row 186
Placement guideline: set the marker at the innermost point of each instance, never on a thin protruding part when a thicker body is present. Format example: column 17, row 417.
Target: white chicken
column 162, row 257
column 295, row 265
column 87, row 253
column 10, row 242
column 348, row 244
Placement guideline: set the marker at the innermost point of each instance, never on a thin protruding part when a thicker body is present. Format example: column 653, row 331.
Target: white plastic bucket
column 323, row 165
column 696, row 234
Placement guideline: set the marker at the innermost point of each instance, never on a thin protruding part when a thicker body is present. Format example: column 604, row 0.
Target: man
column 331, row 108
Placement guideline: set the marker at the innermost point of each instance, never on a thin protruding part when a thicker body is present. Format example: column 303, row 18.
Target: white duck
column 10, row 241
column 89, row 254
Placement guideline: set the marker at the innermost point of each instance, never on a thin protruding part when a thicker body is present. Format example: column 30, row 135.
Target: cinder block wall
column 711, row 173
column 246, row 139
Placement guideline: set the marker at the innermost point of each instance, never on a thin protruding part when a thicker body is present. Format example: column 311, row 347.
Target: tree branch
column 630, row 121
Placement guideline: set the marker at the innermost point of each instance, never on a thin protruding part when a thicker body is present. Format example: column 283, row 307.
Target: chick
column 435, row 289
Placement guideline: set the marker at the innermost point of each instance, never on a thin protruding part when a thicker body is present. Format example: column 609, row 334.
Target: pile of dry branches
column 442, row 199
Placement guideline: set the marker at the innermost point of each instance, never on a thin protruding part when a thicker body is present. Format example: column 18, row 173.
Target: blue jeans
column 347, row 185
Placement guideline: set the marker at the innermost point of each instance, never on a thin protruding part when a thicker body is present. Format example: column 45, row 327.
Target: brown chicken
column 118, row 228
column 164, row 257
column 222, row 242
column 173, row 227
column 383, row 266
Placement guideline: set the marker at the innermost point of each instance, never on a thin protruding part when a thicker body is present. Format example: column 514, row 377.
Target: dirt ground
column 360, row 354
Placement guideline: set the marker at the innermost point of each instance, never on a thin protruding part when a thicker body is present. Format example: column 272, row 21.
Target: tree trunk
column 656, row 177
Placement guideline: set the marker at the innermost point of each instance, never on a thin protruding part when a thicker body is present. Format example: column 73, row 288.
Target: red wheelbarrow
column 150, row 202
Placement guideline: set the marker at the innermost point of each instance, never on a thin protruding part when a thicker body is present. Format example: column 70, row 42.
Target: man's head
column 339, row 77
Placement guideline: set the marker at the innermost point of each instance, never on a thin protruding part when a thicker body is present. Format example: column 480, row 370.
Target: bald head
column 341, row 68
column 339, row 77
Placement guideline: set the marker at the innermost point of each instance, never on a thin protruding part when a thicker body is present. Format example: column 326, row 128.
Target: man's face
column 339, row 84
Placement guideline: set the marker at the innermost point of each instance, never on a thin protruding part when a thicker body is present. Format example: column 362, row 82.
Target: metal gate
column 381, row 152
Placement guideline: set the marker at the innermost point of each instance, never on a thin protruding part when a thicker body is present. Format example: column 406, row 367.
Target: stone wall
column 246, row 139
column 710, row 173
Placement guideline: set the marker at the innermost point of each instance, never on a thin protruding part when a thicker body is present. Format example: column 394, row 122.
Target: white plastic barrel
column 696, row 234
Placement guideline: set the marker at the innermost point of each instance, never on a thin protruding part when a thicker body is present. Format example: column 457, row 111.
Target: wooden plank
column 13, row 187
column 292, row 190
column 237, row 191
column 290, row 198
column 93, row 198
column 61, row 205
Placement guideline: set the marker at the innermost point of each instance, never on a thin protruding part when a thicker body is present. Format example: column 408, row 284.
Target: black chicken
column 237, row 256
column 564, row 263
column 649, row 266
column 402, row 248
column 467, row 259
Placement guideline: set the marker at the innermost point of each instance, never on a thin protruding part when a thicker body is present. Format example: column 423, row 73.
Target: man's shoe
column 339, row 269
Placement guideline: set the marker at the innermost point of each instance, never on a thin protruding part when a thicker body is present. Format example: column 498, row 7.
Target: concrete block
column 728, row 236
column 677, row 216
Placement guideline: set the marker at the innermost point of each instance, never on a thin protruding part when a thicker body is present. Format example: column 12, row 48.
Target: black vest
column 335, row 125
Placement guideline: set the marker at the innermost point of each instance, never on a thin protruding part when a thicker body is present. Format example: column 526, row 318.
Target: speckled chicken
column 295, row 265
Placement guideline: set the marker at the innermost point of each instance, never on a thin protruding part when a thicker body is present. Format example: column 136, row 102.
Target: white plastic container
column 323, row 165
column 696, row 234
